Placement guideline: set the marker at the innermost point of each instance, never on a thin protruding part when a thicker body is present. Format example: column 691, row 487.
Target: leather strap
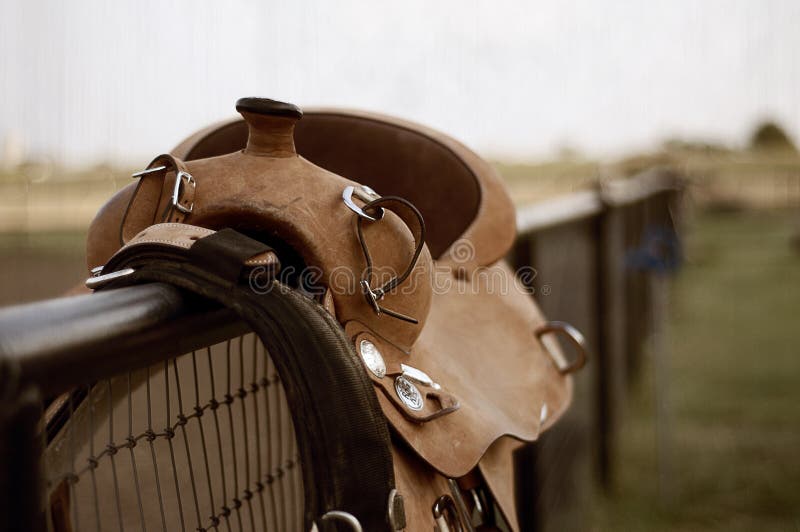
column 142, row 209
column 416, row 223
column 342, row 437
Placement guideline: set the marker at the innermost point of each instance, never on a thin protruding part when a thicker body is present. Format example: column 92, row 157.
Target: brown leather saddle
column 403, row 230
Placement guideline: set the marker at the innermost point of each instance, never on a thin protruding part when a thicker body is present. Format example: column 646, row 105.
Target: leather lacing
column 373, row 295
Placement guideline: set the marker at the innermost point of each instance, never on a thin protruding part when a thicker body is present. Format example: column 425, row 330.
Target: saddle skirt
column 399, row 231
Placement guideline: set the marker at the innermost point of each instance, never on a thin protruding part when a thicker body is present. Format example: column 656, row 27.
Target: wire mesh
column 203, row 441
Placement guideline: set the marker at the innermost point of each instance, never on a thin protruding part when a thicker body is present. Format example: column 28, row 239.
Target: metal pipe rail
column 59, row 343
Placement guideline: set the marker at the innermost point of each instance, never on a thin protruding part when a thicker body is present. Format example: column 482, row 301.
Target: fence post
column 555, row 487
column 611, row 347
column 21, row 448
column 636, row 296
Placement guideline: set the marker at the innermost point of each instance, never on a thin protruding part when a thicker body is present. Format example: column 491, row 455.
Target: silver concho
column 372, row 358
column 408, row 393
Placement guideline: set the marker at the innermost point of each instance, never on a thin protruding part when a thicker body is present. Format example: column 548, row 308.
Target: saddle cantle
column 403, row 230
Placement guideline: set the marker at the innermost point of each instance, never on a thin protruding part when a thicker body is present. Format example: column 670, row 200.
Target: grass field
column 40, row 265
column 734, row 391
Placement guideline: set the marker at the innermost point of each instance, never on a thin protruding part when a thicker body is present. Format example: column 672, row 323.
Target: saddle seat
column 459, row 195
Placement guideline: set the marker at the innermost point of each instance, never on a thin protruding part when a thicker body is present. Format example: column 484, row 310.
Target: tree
column 770, row 136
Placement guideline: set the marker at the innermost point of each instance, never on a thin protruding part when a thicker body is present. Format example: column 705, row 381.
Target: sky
column 91, row 81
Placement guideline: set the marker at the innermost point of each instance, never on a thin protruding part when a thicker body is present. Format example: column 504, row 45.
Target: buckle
column 373, row 296
column 180, row 178
column 101, row 279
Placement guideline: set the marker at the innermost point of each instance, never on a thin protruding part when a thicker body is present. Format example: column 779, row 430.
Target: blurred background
column 561, row 97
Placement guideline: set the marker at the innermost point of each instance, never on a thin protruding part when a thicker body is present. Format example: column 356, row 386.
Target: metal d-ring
column 445, row 514
column 344, row 517
column 465, row 519
column 365, row 194
column 573, row 335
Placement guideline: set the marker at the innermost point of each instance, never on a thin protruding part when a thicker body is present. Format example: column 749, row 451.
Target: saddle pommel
column 270, row 126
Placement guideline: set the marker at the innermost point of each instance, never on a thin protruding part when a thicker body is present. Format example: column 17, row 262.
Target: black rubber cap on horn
column 265, row 106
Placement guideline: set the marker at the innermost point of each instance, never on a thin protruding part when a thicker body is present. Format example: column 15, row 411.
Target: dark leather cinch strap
column 342, row 435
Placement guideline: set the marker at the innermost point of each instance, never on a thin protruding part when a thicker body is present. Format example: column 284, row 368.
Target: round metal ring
column 366, row 195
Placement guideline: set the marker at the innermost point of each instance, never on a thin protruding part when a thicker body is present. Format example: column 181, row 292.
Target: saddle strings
column 373, row 295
